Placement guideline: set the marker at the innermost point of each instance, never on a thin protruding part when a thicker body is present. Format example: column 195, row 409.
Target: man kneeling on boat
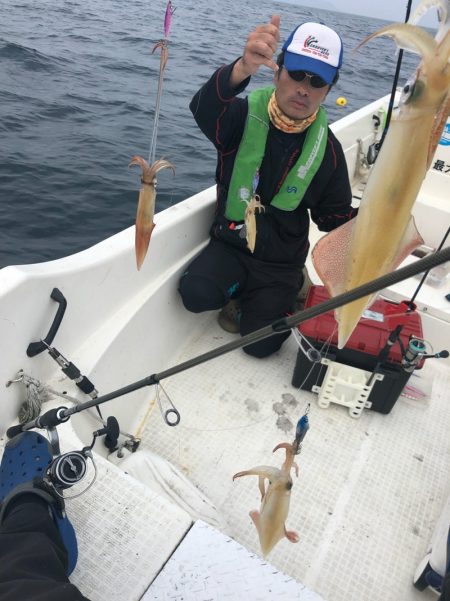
column 278, row 162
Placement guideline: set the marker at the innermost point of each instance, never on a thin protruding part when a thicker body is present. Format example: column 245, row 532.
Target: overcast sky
column 384, row 9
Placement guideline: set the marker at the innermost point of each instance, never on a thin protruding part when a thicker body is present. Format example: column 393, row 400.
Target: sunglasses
column 314, row 80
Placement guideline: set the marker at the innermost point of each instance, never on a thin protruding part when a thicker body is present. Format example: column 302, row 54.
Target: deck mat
column 125, row 532
column 369, row 490
column 365, row 503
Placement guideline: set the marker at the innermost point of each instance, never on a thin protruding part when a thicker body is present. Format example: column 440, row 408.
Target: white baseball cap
column 314, row 48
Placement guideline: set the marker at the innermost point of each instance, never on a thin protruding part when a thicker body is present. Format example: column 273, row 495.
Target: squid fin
column 330, row 256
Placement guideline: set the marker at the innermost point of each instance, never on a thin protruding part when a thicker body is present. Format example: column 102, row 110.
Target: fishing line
column 323, row 353
column 57, row 416
column 425, row 275
column 394, row 87
column 163, row 45
column 152, row 149
column 142, row 426
column 326, row 345
column 193, row 429
column 243, row 427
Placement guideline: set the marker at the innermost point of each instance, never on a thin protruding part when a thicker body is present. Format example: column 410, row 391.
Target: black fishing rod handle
column 34, row 348
column 50, row 419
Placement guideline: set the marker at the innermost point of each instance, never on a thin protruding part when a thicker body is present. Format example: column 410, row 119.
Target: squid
column 146, row 205
column 384, row 233
column 443, row 8
column 270, row 520
column 147, row 193
column 254, row 205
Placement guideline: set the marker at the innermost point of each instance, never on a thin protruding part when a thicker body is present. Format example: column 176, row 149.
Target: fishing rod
column 425, row 275
column 57, row 416
column 416, row 348
column 377, row 147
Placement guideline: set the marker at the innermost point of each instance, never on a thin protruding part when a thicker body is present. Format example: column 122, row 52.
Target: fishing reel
column 416, row 351
column 70, row 468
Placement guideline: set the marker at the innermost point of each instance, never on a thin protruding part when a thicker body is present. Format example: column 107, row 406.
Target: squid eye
column 408, row 92
column 289, row 485
column 412, row 91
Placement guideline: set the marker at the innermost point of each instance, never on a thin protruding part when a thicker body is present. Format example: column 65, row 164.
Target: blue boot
column 22, row 471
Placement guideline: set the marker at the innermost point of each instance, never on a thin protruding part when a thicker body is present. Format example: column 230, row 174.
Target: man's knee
column 266, row 347
column 200, row 294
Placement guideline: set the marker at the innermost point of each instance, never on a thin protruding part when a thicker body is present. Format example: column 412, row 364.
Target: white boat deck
column 369, row 490
column 209, row 565
column 365, row 504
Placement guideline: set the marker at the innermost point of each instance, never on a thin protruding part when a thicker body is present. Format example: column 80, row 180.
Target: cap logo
column 311, row 46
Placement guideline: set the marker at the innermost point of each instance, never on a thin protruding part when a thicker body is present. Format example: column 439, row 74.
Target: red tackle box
column 362, row 348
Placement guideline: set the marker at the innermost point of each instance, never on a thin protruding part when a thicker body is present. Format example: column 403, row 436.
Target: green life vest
column 251, row 152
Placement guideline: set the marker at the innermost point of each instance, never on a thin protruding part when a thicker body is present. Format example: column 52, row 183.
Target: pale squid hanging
column 270, row 521
column 383, row 233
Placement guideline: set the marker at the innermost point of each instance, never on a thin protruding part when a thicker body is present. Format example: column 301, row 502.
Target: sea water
column 78, row 87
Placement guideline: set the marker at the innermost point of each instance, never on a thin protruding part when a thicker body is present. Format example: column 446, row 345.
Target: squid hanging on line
column 253, row 206
column 146, row 205
column 147, row 194
column 275, row 499
column 384, row 233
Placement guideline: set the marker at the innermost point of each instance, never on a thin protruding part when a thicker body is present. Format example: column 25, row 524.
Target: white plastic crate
column 346, row 385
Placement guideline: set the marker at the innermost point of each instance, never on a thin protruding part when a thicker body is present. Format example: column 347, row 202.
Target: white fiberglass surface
column 369, row 489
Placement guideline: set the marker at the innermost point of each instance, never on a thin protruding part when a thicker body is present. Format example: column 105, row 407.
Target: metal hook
column 171, row 416
column 19, row 378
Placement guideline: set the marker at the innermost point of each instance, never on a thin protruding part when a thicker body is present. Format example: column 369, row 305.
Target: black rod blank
column 281, row 325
